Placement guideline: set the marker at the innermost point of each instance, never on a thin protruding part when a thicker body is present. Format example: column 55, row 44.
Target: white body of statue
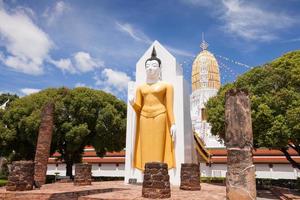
column 181, row 131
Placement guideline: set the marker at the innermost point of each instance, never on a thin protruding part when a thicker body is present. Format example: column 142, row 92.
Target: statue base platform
column 190, row 177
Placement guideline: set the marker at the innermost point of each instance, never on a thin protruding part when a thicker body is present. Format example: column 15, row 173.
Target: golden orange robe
column 154, row 111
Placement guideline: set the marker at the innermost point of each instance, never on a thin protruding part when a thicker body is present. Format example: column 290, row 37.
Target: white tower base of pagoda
column 201, row 127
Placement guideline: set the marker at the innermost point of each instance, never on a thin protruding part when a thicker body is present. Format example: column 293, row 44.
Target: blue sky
column 96, row 43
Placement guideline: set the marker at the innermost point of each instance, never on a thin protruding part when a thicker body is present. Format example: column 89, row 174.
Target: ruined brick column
column 83, row 174
column 43, row 144
column 21, row 176
column 240, row 177
column 190, row 176
column 156, row 184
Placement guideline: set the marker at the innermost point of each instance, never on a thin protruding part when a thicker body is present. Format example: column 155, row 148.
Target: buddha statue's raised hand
column 173, row 132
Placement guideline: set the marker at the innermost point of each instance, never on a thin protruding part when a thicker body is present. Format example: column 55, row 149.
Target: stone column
column 43, row 144
column 156, row 184
column 21, row 176
column 240, row 177
column 83, row 174
column 190, row 176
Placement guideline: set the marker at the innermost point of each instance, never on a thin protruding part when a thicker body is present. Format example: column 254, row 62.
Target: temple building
column 211, row 153
column 205, row 84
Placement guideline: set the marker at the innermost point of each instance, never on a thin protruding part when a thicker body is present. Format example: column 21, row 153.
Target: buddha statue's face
column 152, row 69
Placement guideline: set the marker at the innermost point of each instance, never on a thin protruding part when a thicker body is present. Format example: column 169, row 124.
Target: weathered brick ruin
column 240, row 177
column 43, row 144
column 156, row 184
column 190, row 176
column 83, row 174
column 21, row 176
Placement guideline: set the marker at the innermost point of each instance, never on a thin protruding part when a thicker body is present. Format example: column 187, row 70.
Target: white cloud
column 28, row 91
column 112, row 81
column 64, row 64
column 134, row 33
column 140, row 36
column 117, row 79
column 293, row 40
column 246, row 19
column 251, row 22
column 80, row 85
column 85, row 63
column 53, row 14
column 179, row 51
column 25, row 43
column 201, row 3
column 7, row 92
column 81, row 62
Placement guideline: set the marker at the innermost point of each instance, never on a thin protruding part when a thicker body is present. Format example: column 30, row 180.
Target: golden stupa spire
column 205, row 69
column 204, row 44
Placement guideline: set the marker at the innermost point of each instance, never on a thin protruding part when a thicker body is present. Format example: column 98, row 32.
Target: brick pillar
column 190, row 176
column 156, row 184
column 43, row 144
column 240, row 176
column 21, row 176
column 83, row 174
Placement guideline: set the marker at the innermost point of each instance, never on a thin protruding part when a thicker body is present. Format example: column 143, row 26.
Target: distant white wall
column 105, row 170
column 275, row 171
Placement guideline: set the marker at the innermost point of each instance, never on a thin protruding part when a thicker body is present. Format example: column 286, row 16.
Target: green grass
column 212, row 179
column 3, row 182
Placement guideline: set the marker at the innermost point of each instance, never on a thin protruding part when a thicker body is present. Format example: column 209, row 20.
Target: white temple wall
column 274, row 171
column 103, row 170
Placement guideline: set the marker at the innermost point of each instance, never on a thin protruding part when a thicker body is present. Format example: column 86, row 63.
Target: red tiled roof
column 258, row 159
column 268, row 156
column 90, row 156
column 257, row 152
column 217, row 156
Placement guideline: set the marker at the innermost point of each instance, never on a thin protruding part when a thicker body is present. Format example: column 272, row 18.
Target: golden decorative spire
column 204, row 44
column 205, row 71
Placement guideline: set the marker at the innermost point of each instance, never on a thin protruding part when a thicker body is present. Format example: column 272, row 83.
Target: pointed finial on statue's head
column 154, row 56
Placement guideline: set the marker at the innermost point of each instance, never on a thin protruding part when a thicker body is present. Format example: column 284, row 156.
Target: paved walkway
column 117, row 190
column 207, row 192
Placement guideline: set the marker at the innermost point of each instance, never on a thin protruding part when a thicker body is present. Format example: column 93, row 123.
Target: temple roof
column 206, row 155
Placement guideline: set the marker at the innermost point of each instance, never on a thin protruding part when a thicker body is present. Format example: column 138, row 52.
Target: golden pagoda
column 205, row 71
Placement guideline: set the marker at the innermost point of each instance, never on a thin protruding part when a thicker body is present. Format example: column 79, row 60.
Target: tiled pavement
column 116, row 190
column 207, row 192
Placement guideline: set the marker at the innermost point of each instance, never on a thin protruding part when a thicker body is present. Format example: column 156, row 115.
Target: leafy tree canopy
column 82, row 117
column 5, row 96
column 274, row 90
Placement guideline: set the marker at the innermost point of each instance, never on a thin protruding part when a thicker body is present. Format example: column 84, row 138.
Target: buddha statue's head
column 152, row 66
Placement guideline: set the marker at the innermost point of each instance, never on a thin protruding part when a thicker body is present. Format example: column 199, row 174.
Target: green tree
column 5, row 96
column 82, row 117
column 274, row 90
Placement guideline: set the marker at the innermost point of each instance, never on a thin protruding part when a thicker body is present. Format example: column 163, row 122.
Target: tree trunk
column 295, row 147
column 69, row 167
column 289, row 158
